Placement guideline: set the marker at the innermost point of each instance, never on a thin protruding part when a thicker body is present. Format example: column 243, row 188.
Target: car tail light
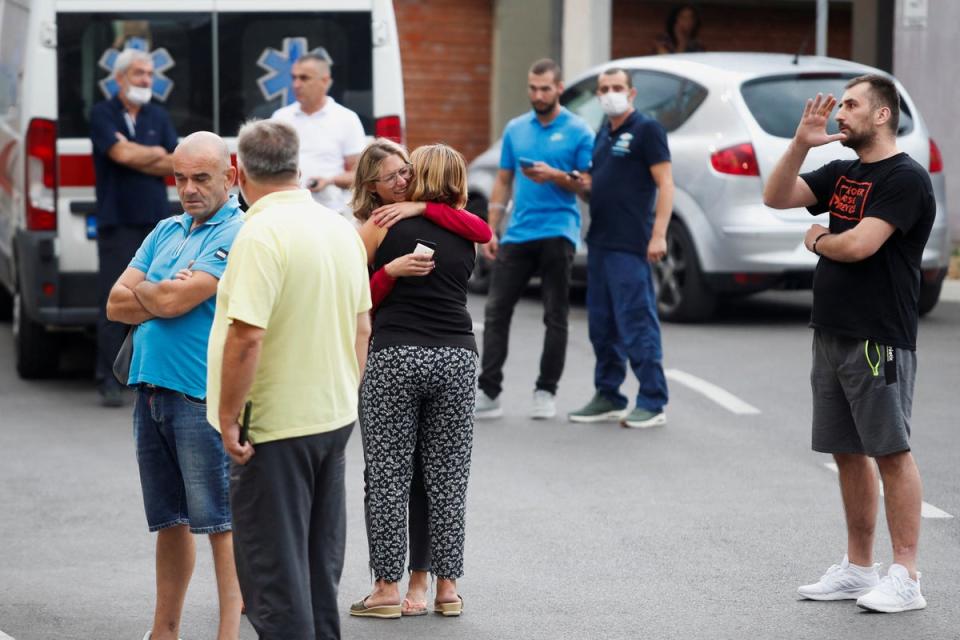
column 739, row 160
column 41, row 175
column 936, row 160
column 389, row 127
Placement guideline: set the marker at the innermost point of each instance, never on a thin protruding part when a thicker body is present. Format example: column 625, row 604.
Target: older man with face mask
column 132, row 145
column 168, row 292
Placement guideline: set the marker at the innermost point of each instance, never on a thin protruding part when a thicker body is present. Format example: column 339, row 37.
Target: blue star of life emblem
column 162, row 60
column 279, row 65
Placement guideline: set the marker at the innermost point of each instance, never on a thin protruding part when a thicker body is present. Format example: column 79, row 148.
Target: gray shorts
column 862, row 395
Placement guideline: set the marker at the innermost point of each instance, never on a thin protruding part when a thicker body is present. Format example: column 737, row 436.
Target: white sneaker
column 842, row 582
column 486, row 408
column 543, row 405
column 146, row 636
column 895, row 593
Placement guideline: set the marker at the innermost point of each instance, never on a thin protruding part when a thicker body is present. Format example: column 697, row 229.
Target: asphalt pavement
column 700, row 529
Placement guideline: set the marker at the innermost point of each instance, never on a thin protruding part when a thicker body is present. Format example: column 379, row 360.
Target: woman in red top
column 382, row 184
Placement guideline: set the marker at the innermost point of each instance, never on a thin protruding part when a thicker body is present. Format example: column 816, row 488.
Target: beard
column 543, row 108
column 858, row 140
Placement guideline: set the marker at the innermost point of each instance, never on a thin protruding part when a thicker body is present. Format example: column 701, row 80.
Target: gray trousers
column 289, row 532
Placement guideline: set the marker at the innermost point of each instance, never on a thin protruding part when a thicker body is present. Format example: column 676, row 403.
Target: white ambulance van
column 217, row 63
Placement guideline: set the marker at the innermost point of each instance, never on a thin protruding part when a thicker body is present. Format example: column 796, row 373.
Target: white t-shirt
column 327, row 137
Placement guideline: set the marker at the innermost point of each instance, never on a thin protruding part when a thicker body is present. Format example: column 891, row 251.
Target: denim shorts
column 184, row 471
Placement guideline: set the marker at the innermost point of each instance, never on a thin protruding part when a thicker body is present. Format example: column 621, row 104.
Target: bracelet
column 496, row 205
column 813, row 247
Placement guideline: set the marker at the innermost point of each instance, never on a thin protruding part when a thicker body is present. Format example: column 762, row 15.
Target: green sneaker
column 599, row 409
column 643, row 419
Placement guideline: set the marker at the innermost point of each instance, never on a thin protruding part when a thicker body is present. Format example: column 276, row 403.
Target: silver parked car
column 729, row 117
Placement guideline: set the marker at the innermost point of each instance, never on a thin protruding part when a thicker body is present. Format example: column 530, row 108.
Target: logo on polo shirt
column 556, row 137
column 221, row 253
column 162, row 61
column 279, row 64
column 622, row 146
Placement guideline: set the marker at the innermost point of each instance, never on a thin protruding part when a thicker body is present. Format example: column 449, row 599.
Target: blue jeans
column 623, row 321
column 184, row 471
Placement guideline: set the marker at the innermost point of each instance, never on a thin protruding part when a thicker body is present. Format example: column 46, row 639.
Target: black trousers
column 552, row 259
column 116, row 247
column 289, row 534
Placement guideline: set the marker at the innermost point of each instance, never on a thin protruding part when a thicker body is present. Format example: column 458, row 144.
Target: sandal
column 410, row 608
column 386, row 611
column 449, row 609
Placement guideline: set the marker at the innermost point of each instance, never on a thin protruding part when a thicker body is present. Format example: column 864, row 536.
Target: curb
column 950, row 291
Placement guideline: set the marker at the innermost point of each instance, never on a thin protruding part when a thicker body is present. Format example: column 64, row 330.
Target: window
column 254, row 61
column 777, row 102
column 666, row 98
column 182, row 49
column 13, row 40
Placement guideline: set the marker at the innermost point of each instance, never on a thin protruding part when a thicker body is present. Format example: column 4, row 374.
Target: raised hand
column 812, row 130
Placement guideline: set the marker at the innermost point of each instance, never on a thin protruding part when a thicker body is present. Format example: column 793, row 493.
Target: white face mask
column 614, row 103
column 139, row 95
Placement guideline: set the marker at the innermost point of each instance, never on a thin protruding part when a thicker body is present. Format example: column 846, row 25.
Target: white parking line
column 927, row 510
column 722, row 397
column 4, row 636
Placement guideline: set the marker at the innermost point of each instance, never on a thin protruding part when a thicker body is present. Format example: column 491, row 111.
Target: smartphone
column 425, row 248
column 312, row 184
column 525, row 163
column 245, row 423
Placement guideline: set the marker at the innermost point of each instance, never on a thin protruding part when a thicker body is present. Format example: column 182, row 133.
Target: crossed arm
column 134, row 300
column 154, row 160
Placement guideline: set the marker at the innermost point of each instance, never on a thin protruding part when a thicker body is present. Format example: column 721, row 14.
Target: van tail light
column 389, row 127
column 41, row 175
column 936, row 160
column 739, row 160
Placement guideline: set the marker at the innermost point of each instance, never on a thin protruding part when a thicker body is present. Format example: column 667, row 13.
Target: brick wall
column 446, row 50
column 776, row 27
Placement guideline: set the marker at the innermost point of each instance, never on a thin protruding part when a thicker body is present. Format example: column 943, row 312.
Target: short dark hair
column 546, row 65
column 268, row 151
column 612, row 71
column 883, row 93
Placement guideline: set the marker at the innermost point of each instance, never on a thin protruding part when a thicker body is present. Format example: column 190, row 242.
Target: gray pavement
column 701, row 529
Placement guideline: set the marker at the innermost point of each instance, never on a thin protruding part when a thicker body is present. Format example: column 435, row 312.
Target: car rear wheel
column 6, row 305
column 682, row 295
column 929, row 294
column 36, row 350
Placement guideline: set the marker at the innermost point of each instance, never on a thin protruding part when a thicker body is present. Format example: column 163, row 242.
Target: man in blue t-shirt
column 544, row 150
column 169, row 294
column 132, row 143
column 631, row 199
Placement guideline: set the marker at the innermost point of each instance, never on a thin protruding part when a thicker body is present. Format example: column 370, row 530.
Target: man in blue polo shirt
column 631, row 199
column 544, row 149
column 168, row 292
column 132, row 143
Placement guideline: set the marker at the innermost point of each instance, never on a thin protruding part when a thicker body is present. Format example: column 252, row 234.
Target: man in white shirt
column 331, row 136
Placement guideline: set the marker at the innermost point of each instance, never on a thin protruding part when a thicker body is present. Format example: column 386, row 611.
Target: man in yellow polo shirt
column 290, row 336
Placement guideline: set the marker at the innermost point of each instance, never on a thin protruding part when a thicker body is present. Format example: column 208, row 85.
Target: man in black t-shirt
column 865, row 311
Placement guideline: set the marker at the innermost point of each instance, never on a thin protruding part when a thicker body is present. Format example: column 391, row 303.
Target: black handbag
column 121, row 364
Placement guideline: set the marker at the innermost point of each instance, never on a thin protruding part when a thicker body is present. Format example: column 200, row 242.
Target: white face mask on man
column 139, row 95
column 614, row 103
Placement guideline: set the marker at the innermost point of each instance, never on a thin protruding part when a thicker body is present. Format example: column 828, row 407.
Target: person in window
column 384, row 180
column 419, row 391
column 682, row 27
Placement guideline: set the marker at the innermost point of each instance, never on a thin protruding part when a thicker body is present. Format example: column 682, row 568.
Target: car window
column 13, row 42
column 256, row 51
column 667, row 98
column 582, row 100
column 182, row 51
column 777, row 102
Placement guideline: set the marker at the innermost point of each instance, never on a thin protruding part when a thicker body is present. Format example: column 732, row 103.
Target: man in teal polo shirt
column 543, row 149
column 168, row 292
